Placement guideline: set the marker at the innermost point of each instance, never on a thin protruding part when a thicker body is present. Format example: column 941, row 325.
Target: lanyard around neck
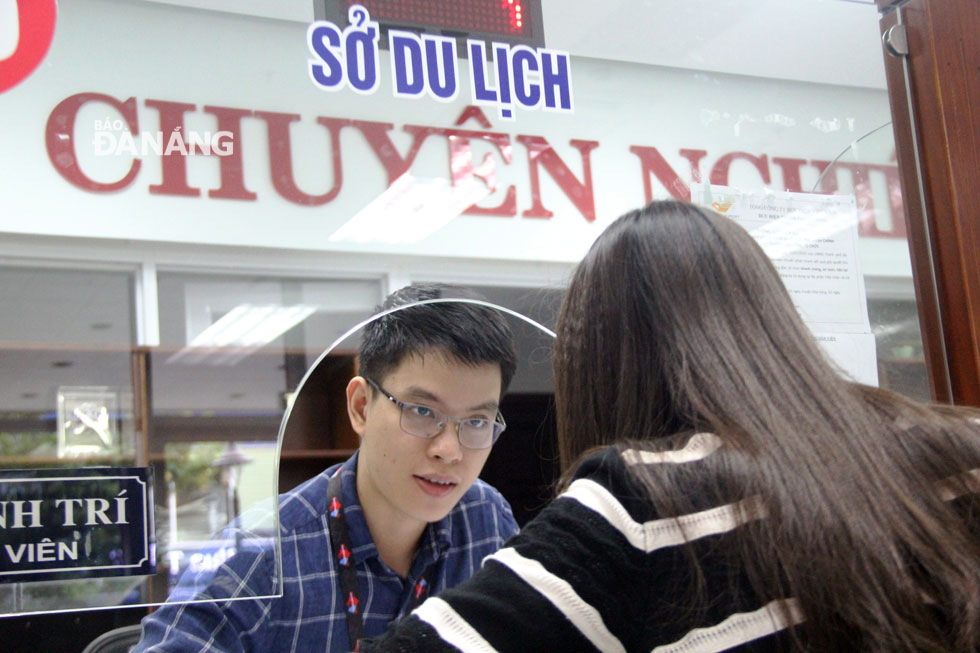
column 340, row 544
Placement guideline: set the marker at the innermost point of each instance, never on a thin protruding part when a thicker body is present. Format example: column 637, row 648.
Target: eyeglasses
column 424, row 422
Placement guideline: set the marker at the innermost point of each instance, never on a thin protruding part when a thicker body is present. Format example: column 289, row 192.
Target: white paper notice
column 813, row 242
column 854, row 353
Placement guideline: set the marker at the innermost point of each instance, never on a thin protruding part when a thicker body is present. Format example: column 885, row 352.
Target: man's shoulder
column 481, row 493
column 482, row 508
column 305, row 504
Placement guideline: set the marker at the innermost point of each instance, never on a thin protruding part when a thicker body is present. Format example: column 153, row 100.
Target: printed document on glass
column 812, row 240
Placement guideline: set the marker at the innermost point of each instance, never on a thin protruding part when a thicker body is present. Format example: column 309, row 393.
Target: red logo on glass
column 35, row 23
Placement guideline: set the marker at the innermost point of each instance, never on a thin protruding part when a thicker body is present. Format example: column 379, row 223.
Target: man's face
column 402, row 476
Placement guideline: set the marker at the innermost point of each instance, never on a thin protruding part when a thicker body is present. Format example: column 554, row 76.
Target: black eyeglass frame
column 499, row 425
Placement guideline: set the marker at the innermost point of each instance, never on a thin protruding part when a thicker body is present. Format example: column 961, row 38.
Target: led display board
column 505, row 21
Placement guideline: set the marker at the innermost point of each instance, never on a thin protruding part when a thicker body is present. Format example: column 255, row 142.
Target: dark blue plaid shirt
column 310, row 615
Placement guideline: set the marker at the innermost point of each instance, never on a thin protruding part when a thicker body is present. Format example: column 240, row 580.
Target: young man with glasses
column 366, row 541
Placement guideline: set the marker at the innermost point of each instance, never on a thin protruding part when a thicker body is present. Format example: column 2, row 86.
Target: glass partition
column 867, row 171
column 233, row 351
column 222, row 565
column 522, row 464
column 69, row 402
column 202, row 167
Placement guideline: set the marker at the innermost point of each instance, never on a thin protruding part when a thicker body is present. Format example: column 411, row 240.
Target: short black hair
column 471, row 333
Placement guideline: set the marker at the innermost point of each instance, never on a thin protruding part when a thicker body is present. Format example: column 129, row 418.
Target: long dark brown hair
column 676, row 321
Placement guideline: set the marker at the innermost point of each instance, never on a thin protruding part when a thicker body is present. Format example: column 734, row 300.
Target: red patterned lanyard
column 341, row 545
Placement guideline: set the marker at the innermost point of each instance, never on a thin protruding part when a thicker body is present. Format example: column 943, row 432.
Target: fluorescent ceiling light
column 410, row 210
column 243, row 329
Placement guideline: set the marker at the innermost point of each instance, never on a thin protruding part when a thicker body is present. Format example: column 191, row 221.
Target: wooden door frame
column 934, row 91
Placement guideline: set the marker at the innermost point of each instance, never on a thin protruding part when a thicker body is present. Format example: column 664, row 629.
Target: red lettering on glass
column 475, row 112
column 896, row 203
column 860, row 174
column 61, row 145
column 394, row 163
column 694, row 161
column 540, row 153
column 827, row 182
column 59, row 136
column 461, row 168
column 232, row 177
column 281, row 157
column 652, row 162
column 790, row 169
column 720, row 171
column 174, row 163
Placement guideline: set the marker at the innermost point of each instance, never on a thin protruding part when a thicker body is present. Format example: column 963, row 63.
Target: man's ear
column 358, row 394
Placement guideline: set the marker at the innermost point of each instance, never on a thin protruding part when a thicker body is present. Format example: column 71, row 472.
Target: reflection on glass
column 208, row 481
column 67, row 403
column 666, row 94
column 867, row 170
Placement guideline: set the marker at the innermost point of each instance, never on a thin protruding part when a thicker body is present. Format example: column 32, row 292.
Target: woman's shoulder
column 618, row 461
column 613, row 475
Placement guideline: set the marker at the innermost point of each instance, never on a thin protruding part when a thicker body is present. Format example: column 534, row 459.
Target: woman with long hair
column 726, row 487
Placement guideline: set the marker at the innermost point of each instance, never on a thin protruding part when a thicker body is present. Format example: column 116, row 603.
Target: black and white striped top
column 598, row 570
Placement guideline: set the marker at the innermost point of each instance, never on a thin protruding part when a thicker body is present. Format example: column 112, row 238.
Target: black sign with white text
column 60, row 524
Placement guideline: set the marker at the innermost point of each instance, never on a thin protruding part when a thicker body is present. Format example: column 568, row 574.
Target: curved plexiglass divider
column 96, row 535
column 867, row 170
column 841, row 248
column 522, row 463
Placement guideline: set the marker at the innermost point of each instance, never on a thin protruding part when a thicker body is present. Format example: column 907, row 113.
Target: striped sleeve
column 598, row 570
